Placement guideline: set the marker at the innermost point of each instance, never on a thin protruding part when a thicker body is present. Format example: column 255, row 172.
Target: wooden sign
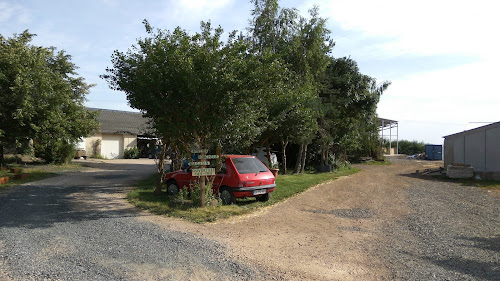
column 205, row 151
column 203, row 172
column 208, row 156
column 199, row 163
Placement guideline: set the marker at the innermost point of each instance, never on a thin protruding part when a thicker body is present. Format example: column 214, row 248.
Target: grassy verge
column 287, row 186
column 34, row 175
column 39, row 172
column 485, row 184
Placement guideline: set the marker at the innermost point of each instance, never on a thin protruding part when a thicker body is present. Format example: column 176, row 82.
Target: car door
column 185, row 178
column 219, row 177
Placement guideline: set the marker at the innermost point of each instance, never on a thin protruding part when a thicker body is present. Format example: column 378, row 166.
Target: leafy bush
column 55, row 151
column 196, row 194
column 131, row 153
column 409, row 147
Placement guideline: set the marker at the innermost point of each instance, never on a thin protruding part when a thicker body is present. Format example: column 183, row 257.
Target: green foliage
column 348, row 102
column 196, row 88
column 196, row 194
column 55, row 150
column 131, row 153
column 41, row 98
column 408, row 147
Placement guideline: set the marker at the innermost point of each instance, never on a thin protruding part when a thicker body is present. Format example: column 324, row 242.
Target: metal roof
column 382, row 122
column 121, row 122
column 478, row 129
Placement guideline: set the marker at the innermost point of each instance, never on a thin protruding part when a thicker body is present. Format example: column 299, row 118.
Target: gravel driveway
column 379, row 224
column 451, row 233
column 78, row 227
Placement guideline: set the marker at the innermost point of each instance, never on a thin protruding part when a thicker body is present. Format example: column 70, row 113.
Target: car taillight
column 245, row 183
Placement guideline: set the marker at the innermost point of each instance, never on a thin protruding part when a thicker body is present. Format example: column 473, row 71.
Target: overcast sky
column 441, row 56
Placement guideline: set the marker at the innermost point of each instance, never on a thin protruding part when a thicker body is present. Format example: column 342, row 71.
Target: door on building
column 112, row 146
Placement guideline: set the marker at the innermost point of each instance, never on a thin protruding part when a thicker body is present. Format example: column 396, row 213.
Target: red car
column 241, row 176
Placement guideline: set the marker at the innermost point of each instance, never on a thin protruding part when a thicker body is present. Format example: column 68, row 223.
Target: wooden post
column 202, row 187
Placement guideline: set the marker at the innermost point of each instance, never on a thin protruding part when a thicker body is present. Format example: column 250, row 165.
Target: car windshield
column 249, row 165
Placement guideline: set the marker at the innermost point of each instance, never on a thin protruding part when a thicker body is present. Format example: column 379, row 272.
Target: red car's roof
column 236, row 156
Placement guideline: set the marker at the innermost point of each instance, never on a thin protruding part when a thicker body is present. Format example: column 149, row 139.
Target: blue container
column 433, row 152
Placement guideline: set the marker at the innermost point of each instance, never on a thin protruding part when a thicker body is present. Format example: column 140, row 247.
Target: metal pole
column 397, row 138
column 390, row 138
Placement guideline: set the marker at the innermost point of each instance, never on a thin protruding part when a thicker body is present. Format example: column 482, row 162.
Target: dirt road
column 369, row 226
column 379, row 224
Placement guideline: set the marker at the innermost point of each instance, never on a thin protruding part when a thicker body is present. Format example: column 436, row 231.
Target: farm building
column 118, row 130
column 389, row 130
column 478, row 147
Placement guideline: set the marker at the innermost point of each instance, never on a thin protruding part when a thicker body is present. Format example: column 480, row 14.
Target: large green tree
column 41, row 98
column 348, row 101
column 197, row 89
column 303, row 44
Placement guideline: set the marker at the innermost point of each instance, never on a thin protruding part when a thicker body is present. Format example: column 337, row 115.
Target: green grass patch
column 287, row 186
column 485, row 184
column 34, row 175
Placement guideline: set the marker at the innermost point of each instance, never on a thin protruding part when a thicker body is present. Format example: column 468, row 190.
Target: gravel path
column 380, row 224
column 78, row 227
column 451, row 233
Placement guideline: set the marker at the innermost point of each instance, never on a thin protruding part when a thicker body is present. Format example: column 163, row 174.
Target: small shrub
column 196, row 194
column 55, row 151
column 131, row 153
column 95, row 147
column 181, row 197
column 99, row 156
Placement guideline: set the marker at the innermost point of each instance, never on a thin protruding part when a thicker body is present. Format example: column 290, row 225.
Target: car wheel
column 264, row 197
column 172, row 188
column 226, row 196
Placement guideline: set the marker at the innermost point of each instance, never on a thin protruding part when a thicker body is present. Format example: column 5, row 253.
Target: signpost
column 199, row 163
column 208, row 156
column 202, row 171
column 203, row 151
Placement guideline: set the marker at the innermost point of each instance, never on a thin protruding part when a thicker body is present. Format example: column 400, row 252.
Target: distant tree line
column 407, row 147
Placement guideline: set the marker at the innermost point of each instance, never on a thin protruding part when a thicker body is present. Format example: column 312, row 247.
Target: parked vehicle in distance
column 241, row 176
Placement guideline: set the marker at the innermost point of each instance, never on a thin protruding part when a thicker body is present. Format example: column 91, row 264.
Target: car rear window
column 248, row 165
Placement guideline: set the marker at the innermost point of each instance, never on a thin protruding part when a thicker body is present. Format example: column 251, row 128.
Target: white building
column 118, row 130
column 478, row 147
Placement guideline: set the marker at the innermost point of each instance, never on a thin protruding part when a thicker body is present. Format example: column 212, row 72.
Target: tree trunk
column 268, row 156
column 299, row 160
column 304, row 156
column 283, row 150
column 1, row 153
column 202, row 184
column 323, row 161
column 161, row 165
column 202, row 191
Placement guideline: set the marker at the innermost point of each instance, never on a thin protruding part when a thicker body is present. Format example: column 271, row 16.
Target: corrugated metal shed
column 478, row 147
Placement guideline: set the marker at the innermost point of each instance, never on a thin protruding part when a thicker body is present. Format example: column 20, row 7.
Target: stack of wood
column 459, row 171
